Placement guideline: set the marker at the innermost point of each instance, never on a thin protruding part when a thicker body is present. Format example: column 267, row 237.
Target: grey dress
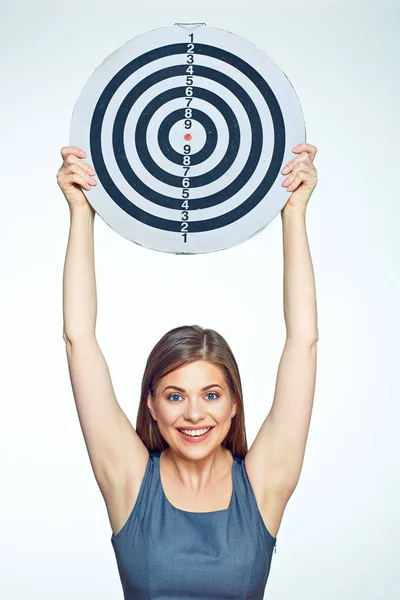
column 164, row 553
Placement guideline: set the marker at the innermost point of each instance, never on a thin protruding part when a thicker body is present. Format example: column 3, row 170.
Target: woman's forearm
column 299, row 295
column 79, row 281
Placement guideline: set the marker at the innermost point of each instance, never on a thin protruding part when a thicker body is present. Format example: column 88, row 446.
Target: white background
column 339, row 537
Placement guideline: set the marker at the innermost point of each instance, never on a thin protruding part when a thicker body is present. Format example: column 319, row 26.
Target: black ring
column 179, row 115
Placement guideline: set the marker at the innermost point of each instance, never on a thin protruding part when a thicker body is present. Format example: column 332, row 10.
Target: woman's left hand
column 301, row 177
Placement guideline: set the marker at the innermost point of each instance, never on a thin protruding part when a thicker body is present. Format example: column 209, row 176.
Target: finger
column 295, row 182
column 71, row 159
column 76, row 169
column 302, row 158
column 65, row 150
column 302, row 170
column 307, row 177
column 78, row 179
column 304, row 147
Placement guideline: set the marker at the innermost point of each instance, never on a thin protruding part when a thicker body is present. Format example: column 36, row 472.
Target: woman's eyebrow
column 175, row 387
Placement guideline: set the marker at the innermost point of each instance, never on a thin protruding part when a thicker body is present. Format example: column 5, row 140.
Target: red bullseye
column 188, row 137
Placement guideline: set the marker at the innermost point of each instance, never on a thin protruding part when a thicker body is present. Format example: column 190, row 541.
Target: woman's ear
column 234, row 408
column 150, row 405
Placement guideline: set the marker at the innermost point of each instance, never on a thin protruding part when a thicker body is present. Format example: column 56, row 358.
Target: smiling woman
column 195, row 494
column 194, row 513
column 199, row 364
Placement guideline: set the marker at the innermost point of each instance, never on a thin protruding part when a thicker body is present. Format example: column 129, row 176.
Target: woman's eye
column 212, row 394
column 174, row 397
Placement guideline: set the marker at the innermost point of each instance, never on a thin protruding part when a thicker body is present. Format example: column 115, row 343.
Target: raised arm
column 117, row 454
column 274, row 461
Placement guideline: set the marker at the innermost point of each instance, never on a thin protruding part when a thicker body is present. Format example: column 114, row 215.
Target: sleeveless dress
column 164, row 553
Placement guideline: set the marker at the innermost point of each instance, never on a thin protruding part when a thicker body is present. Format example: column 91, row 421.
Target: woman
column 192, row 517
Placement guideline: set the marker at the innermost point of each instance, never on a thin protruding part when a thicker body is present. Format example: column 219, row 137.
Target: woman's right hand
column 73, row 174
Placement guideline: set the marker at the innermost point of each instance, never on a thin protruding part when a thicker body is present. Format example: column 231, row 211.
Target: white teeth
column 195, row 433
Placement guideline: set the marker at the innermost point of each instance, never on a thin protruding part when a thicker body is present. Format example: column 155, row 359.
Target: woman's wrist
column 289, row 212
column 82, row 211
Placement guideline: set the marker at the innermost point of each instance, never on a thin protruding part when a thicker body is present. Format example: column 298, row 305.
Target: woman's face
column 195, row 396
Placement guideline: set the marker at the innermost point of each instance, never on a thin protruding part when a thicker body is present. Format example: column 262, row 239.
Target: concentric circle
column 199, row 117
column 187, row 130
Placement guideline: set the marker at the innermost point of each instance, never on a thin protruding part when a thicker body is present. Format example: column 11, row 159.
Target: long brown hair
column 179, row 347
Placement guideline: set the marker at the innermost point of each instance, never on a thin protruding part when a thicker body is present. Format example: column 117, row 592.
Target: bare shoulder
column 270, row 501
column 120, row 496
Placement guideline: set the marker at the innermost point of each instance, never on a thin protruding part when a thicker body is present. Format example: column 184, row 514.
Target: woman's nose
column 194, row 411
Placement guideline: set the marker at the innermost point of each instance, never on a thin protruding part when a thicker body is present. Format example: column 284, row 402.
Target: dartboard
column 188, row 128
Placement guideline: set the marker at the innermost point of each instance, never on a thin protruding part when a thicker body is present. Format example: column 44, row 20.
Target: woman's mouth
column 195, row 436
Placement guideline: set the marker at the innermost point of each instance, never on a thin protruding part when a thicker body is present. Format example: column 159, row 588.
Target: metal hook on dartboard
column 190, row 25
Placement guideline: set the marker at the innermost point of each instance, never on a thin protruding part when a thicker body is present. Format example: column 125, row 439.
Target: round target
column 188, row 128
